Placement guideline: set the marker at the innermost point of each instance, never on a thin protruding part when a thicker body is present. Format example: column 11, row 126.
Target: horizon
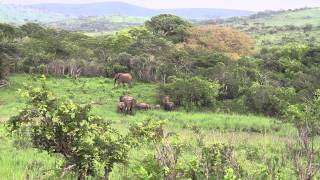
column 249, row 5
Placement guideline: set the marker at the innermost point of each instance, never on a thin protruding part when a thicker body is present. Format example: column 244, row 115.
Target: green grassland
column 297, row 18
column 279, row 28
column 238, row 130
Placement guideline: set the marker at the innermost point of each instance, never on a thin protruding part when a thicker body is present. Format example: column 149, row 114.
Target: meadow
column 248, row 131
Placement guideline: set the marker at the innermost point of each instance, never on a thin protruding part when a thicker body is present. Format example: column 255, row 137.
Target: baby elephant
column 155, row 106
column 121, row 107
column 143, row 106
column 168, row 106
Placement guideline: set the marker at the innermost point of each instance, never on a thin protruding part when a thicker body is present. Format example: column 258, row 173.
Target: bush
column 89, row 145
column 191, row 92
column 269, row 100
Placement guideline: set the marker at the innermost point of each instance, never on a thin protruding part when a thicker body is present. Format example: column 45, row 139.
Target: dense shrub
column 191, row 92
column 269, row 100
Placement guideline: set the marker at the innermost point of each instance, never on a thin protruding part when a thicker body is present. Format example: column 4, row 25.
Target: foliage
column 230, row 42
column 191, row 92
column 147, row 131
column 217, row 161
column 306, row 117
column 269, row 100
column 169, row 26
column 88, row 144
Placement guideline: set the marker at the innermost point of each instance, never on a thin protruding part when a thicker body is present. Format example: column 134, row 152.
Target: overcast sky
column 255, row 5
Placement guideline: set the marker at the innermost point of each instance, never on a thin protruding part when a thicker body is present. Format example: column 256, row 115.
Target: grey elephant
column 123, row 78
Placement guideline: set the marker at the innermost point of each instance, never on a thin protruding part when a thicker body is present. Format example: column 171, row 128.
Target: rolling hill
column 100, row 17
column 277, row 27
column 98, row 23
column 20, row 15
column 124, row 9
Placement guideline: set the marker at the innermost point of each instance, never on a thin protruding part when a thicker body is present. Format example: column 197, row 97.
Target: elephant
column 124, row 78
column 129, row 103
column 121, row 107
column 143, row 106
column 156, row 106
column 165, row 99
column 168, row 106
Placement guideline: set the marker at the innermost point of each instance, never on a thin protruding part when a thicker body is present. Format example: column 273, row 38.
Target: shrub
column 191, row 92
column 89, row 145
column 269, row 100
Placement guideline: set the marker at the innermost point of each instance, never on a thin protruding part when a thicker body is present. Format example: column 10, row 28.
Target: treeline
column 226, row 71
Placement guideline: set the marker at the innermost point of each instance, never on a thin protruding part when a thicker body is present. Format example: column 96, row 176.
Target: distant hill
column 278, row 27
column 297, row 17
column 124, row 9
column 20, row 15
column 98, row 23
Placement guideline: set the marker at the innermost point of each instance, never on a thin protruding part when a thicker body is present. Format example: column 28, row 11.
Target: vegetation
column 99, row 23
column 69, row 109
column 278, row 27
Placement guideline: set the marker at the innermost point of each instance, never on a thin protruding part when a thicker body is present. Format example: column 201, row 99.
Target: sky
column 254, row 5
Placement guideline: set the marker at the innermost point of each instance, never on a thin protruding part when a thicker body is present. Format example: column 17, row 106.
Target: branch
column 66, row 169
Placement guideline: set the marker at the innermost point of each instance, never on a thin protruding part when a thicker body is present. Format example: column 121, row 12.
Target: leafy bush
column 89, row 145
column 269, row 100
column 191, row 92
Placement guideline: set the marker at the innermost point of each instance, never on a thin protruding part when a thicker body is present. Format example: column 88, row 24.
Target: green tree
column 169, row 26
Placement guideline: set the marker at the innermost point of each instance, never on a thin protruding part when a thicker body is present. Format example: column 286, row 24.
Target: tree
column 7, row 32
column 33, row 30
column 8, row 56
column 230, row 42
column 306, row 118
column 169, row 26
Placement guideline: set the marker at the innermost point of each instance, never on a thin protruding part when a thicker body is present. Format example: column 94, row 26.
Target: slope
column 19, row 15
column 124, row 9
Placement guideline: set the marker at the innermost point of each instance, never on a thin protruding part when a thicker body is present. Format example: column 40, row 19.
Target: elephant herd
column 127, row 103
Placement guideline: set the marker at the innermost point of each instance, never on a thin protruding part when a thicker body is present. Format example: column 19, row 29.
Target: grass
column 271, row 30
column 242, row 131
column 18, row 163
column 297, row 18
column 101, row 93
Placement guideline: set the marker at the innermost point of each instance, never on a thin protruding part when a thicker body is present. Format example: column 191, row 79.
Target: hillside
column 100, row 17
column 19, row 15
column 124, row 9
column 297, row 18
column 278, row 27
column 99, row 23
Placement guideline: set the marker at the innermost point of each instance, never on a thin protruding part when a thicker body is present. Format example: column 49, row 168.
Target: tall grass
column 242, row 131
